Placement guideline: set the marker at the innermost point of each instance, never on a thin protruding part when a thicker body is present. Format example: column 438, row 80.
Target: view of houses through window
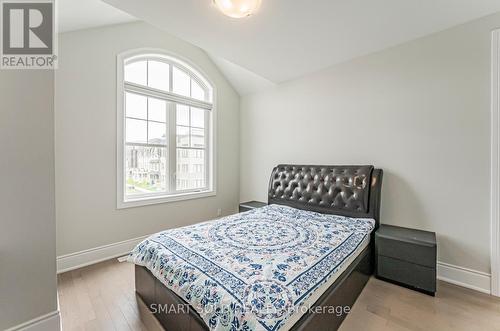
column 166, row 129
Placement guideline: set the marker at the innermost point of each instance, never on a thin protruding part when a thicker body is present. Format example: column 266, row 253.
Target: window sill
column 165, row 199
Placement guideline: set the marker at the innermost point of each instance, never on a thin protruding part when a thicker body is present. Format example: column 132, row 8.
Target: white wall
column 420, row 111
column 86, row 141
column 27, row 221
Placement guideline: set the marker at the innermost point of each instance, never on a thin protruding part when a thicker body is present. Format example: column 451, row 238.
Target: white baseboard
column 48, row 322
column 472, row 279
column 94, row 255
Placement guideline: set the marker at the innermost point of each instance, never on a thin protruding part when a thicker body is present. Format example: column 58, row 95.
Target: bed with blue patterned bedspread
column 255, row 270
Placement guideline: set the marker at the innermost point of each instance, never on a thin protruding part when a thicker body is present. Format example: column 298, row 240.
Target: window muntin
column 191, row 143
column 166, row 130
column 168, row 77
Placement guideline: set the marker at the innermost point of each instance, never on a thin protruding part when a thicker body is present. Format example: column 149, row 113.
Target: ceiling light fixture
column 237, row 8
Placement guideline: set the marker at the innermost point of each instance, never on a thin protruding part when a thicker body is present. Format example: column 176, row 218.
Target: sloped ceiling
column 83, row 14
column 287, row 39
column 244, row 81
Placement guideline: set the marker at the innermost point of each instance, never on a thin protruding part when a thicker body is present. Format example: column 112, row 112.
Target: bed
column 297, row 264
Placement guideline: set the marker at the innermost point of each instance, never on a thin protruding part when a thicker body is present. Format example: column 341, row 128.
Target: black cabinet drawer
column 246, row 206
column 244, row 209
column 418, row 276
column 420, row 254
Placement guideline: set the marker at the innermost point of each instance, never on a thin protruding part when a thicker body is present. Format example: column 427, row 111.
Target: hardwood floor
column 102, row 297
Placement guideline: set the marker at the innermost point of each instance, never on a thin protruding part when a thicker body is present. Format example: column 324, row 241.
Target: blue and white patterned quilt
column 252, row 271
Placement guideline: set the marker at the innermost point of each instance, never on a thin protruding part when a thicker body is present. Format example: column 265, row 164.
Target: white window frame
column 210, row 123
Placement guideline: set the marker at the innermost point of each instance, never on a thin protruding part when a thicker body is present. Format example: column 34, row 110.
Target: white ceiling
column 289, row 38
column 244, row 81
column 83, row 14
column 286, row 38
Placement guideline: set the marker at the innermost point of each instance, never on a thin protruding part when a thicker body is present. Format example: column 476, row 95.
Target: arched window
column 165, row 138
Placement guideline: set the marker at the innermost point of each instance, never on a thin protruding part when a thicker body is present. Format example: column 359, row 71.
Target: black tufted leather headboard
column 352, row 191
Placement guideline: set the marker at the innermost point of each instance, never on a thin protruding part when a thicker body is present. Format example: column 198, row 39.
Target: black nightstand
column 246, row 206
column 406, row 257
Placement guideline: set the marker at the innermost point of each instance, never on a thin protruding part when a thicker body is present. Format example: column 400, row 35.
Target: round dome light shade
column 237, row 8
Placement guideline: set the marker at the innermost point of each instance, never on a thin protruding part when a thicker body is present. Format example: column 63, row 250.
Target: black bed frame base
column 164, row 304
column 365, row 182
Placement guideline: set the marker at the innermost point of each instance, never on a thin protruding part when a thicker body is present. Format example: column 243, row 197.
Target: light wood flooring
column 102, row 297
